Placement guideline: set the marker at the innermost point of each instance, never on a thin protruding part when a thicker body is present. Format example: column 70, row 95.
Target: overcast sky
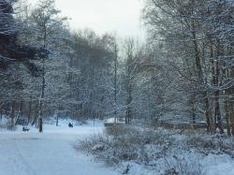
column 120, row 16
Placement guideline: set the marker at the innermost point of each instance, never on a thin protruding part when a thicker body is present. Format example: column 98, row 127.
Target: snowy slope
column 48, row 153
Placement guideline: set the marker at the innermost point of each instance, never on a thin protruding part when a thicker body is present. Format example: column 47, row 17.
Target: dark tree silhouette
column 10, row 51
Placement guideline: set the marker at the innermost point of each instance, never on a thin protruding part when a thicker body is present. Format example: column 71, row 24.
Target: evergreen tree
column 10, row 52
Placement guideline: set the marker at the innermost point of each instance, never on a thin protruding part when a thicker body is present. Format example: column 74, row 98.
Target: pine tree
column 10, row 52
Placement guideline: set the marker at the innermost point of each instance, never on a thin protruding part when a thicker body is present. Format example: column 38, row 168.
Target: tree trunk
column 232, row 117
column 197, row 54
column 129, row 105
column 115, row 81
column 231, row 106
column 193, row 112
column 219, row 122
column 227, row 108
column 41, row 100
column 217, row 84
column 208, row 115
column 129, row 79
column 57, row 119
column 40, row 125
column 35, row 119
column 30, row 109
column 56, row 116
column 12, row 113
column 1, row 111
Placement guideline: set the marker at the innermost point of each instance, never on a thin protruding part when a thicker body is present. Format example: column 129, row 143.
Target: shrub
column 149, row 148
column 212, row 144
column 127, row 143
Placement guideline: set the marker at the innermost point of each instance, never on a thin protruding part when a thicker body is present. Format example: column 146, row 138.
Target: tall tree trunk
column 20, row 113
column 1, row 110
column 217, row 84
column 41, row 99
column 35, row 118
column 115, row 81
column 12, row 113
column 197, row 54
column 129, row 104
column 21, row 107
column 231, row 106
column 232, row 117
column 129, row 79
column 227, row 108
column 210, row 125
column 40, row 125
column 210, row 119
column 30, row 110
column 193, row 111
column 199, row 71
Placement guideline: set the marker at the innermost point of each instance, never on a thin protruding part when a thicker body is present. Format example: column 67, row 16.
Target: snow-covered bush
column 217, row 144
column 155, row 150
column 182, row 162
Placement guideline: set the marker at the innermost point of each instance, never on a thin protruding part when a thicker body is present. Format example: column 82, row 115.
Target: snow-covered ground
column 53, row 152
column 50, row 152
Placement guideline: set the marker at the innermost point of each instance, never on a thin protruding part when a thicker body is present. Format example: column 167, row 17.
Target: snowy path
column 48, row 153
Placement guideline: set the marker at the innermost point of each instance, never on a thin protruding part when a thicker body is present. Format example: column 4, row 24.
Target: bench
column 25, row 129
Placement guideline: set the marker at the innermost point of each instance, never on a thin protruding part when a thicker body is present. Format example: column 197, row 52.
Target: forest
column 182, row 74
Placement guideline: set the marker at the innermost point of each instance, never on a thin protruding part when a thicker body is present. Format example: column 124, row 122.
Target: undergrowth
column 156, row 149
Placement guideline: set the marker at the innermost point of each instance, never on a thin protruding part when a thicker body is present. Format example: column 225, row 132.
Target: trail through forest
column 47, row 153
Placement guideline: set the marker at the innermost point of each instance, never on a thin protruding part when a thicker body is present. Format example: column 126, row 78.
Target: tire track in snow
column 11, row 159
column 27, row 168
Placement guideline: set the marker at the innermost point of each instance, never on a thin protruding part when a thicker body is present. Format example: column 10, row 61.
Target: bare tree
column 196, row 36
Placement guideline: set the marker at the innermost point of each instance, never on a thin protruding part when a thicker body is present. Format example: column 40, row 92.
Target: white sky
column 120, row 16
